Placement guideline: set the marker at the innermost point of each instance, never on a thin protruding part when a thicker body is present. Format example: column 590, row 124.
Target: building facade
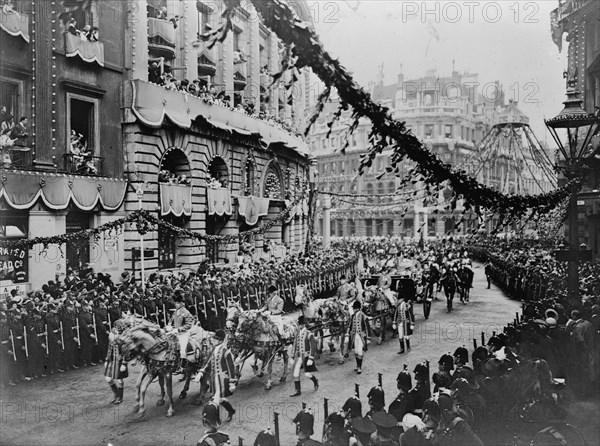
column 107, row 90
column 452, row 118
column 579, row 20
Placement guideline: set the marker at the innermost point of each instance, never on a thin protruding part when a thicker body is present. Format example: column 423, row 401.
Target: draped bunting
column 22, row 189
column 15, row 24
column 151, row 104
column 219, row 201
column 252, row 208
column 88, row 51
column 175, row 199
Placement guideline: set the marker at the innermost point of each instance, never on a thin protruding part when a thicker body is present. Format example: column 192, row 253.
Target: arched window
column 174, row 167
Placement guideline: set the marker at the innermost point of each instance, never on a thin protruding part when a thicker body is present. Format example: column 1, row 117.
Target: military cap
column 421, row 371
column 462, row 353
column 404, row 381
column 384, row 420
column 447, row 361
column 363, row 425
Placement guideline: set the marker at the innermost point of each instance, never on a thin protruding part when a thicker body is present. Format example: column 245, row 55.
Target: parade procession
column 274, row 222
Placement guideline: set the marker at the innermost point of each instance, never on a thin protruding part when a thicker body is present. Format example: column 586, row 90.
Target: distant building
column 579, row 19
column 451, row 116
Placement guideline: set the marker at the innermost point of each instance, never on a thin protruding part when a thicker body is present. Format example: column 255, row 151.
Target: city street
column 73, row 408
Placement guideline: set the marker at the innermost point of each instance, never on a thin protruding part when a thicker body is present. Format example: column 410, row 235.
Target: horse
column 329, row 314
column 449, row 282
column 159, row 355
column 198, row 351
column 378, row 308
column 256, row 334
column 465, row 276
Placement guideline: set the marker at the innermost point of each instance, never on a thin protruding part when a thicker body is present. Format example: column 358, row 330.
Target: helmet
column 447, row 362
column 404, row 381
column 461, row 353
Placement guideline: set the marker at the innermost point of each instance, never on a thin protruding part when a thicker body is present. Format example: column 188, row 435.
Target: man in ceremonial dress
column 385, row 283
column 181, row 322
column 305, row 349
column 274, row 305
column 222, row 370
column 360, row 330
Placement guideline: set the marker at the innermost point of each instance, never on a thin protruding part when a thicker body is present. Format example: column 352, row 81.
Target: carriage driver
column 182, row 320
column 274, row 305
column 385, row 283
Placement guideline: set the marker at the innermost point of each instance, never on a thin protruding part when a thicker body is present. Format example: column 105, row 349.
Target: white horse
column 331, row 315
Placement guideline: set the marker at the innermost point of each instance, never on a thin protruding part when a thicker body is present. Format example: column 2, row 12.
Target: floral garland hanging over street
column 304, row 49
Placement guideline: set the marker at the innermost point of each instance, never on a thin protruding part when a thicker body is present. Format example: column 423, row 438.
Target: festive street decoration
column 306, row 50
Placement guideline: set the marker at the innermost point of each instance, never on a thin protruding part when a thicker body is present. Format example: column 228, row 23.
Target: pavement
column 74, row 409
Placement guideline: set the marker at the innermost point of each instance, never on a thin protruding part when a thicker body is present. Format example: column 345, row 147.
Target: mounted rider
column 274, row 305
column 181, row 321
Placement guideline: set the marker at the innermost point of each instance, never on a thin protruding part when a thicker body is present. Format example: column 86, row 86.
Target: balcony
column 14, row 23
column 82, row 164
column 86, row 50
column 151, row 104
column 206, row 65
column 568, row 7
column 239, row 76
column 161, row 38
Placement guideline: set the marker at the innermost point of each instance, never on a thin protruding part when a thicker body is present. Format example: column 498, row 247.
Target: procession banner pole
column 326, row 407
column 276, row 423
column 483, row 338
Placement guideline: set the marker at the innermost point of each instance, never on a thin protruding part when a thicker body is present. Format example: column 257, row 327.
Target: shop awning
column 252, row 208
column 152, row 104
column 15, row 24
column 88, row 51
column 219, row 201
column 21, row 190
column 175, row 199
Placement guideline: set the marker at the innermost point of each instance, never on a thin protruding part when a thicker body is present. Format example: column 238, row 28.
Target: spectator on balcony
column 169, row 82
column 162, row 13
column 72, row 27
column 154, row 74
column 94, row 34
column 8, row 7
column 8, row 123
column 19, row 132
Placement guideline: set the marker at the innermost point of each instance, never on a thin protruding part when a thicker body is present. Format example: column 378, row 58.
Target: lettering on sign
column 13, row 264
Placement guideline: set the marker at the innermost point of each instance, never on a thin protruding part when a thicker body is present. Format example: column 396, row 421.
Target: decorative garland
column 145, row 222
column 306, row 50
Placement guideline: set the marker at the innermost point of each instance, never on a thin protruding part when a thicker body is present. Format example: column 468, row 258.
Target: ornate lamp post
column 580, row 127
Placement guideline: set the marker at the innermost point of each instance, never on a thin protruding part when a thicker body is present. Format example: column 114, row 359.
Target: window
column 82, row 113
column 351, row 228
column 390, row 227
column 408, row 227
column 167, row 243
column 448, row 131
column 428, row 131
column 10, row 97
column 78, row 253
column 14, row 261
column 369, row 227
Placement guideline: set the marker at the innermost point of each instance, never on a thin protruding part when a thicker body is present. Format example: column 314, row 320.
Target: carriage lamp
column 580, row 128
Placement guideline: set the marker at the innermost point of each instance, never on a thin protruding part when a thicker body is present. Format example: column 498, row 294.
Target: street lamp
column 580, row 128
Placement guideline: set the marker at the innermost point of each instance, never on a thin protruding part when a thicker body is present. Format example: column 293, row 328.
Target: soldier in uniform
column 87, row 337
column 421, row 392
column 385, row 433
column 403, row 323
column 55, row 347
column 303, row 354
column 101, row 320
column 181, row 321
column 15, row 325
column 362, row 429
column 403, row 403
column 376, row 398
column 360, row 331
column 212, row 420
column 305, row 422
column 38, row 344
column 71, row 344
column 222, row 370
column 8, row 362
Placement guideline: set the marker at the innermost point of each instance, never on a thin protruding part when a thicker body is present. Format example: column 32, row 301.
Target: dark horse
column 465, row 277
column 449, row 282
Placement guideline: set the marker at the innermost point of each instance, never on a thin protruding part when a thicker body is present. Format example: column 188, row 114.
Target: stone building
column 91, row 77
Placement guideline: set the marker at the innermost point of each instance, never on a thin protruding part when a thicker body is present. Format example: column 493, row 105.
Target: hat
column 551, row 322
column 336, row 421
column 497, row 342
column 464, row 384
column 353, row 406
column 384, row 420
column 447, row 361
column 219, row 335
column 305, row 422
column 363, row 425
column 551, row 313
column 462, row 353
column 421, row 371
column 404, row 381
column 356, row 305
column 410, row 420
column 210, row 413
column 272, row 288
column 301, row 320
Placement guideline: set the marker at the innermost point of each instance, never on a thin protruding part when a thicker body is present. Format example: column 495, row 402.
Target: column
column 326, row 222
column 252, row 92
column 189, row 23
column 273, row 68
column 136, row 47
column 44, row 265
column 225, row 66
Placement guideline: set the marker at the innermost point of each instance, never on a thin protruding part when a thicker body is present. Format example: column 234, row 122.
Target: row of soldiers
column 66, row 326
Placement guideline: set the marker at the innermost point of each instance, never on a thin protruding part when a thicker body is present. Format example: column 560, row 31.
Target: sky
column 505, row 40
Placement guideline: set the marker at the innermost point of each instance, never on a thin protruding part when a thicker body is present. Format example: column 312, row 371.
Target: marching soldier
column 15, row 325
column 38, row 344
column 305, row 422
column 360, row 331
column 403, row 322
column 221, row 368
column 8, row 361
column 100, row 317
column 212, row 420
column 403, row 403
column 303, row 354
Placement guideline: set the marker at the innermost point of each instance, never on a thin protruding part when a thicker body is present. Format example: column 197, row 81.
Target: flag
column 433, row 32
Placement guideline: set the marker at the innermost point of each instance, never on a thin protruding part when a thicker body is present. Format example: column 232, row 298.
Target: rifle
column 62, row 336
column 47, row 341
column 77, row 329
column 95, row 329
column 12, row 341
column 164, row 314
column 25, row 340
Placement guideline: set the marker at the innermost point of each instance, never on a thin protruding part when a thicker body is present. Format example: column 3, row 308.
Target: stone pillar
column 273, row 68
column 136, row 46
column 225, row 68
column 252, row 92
column 45, row 265
column 107, row 255
column 189, row 23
